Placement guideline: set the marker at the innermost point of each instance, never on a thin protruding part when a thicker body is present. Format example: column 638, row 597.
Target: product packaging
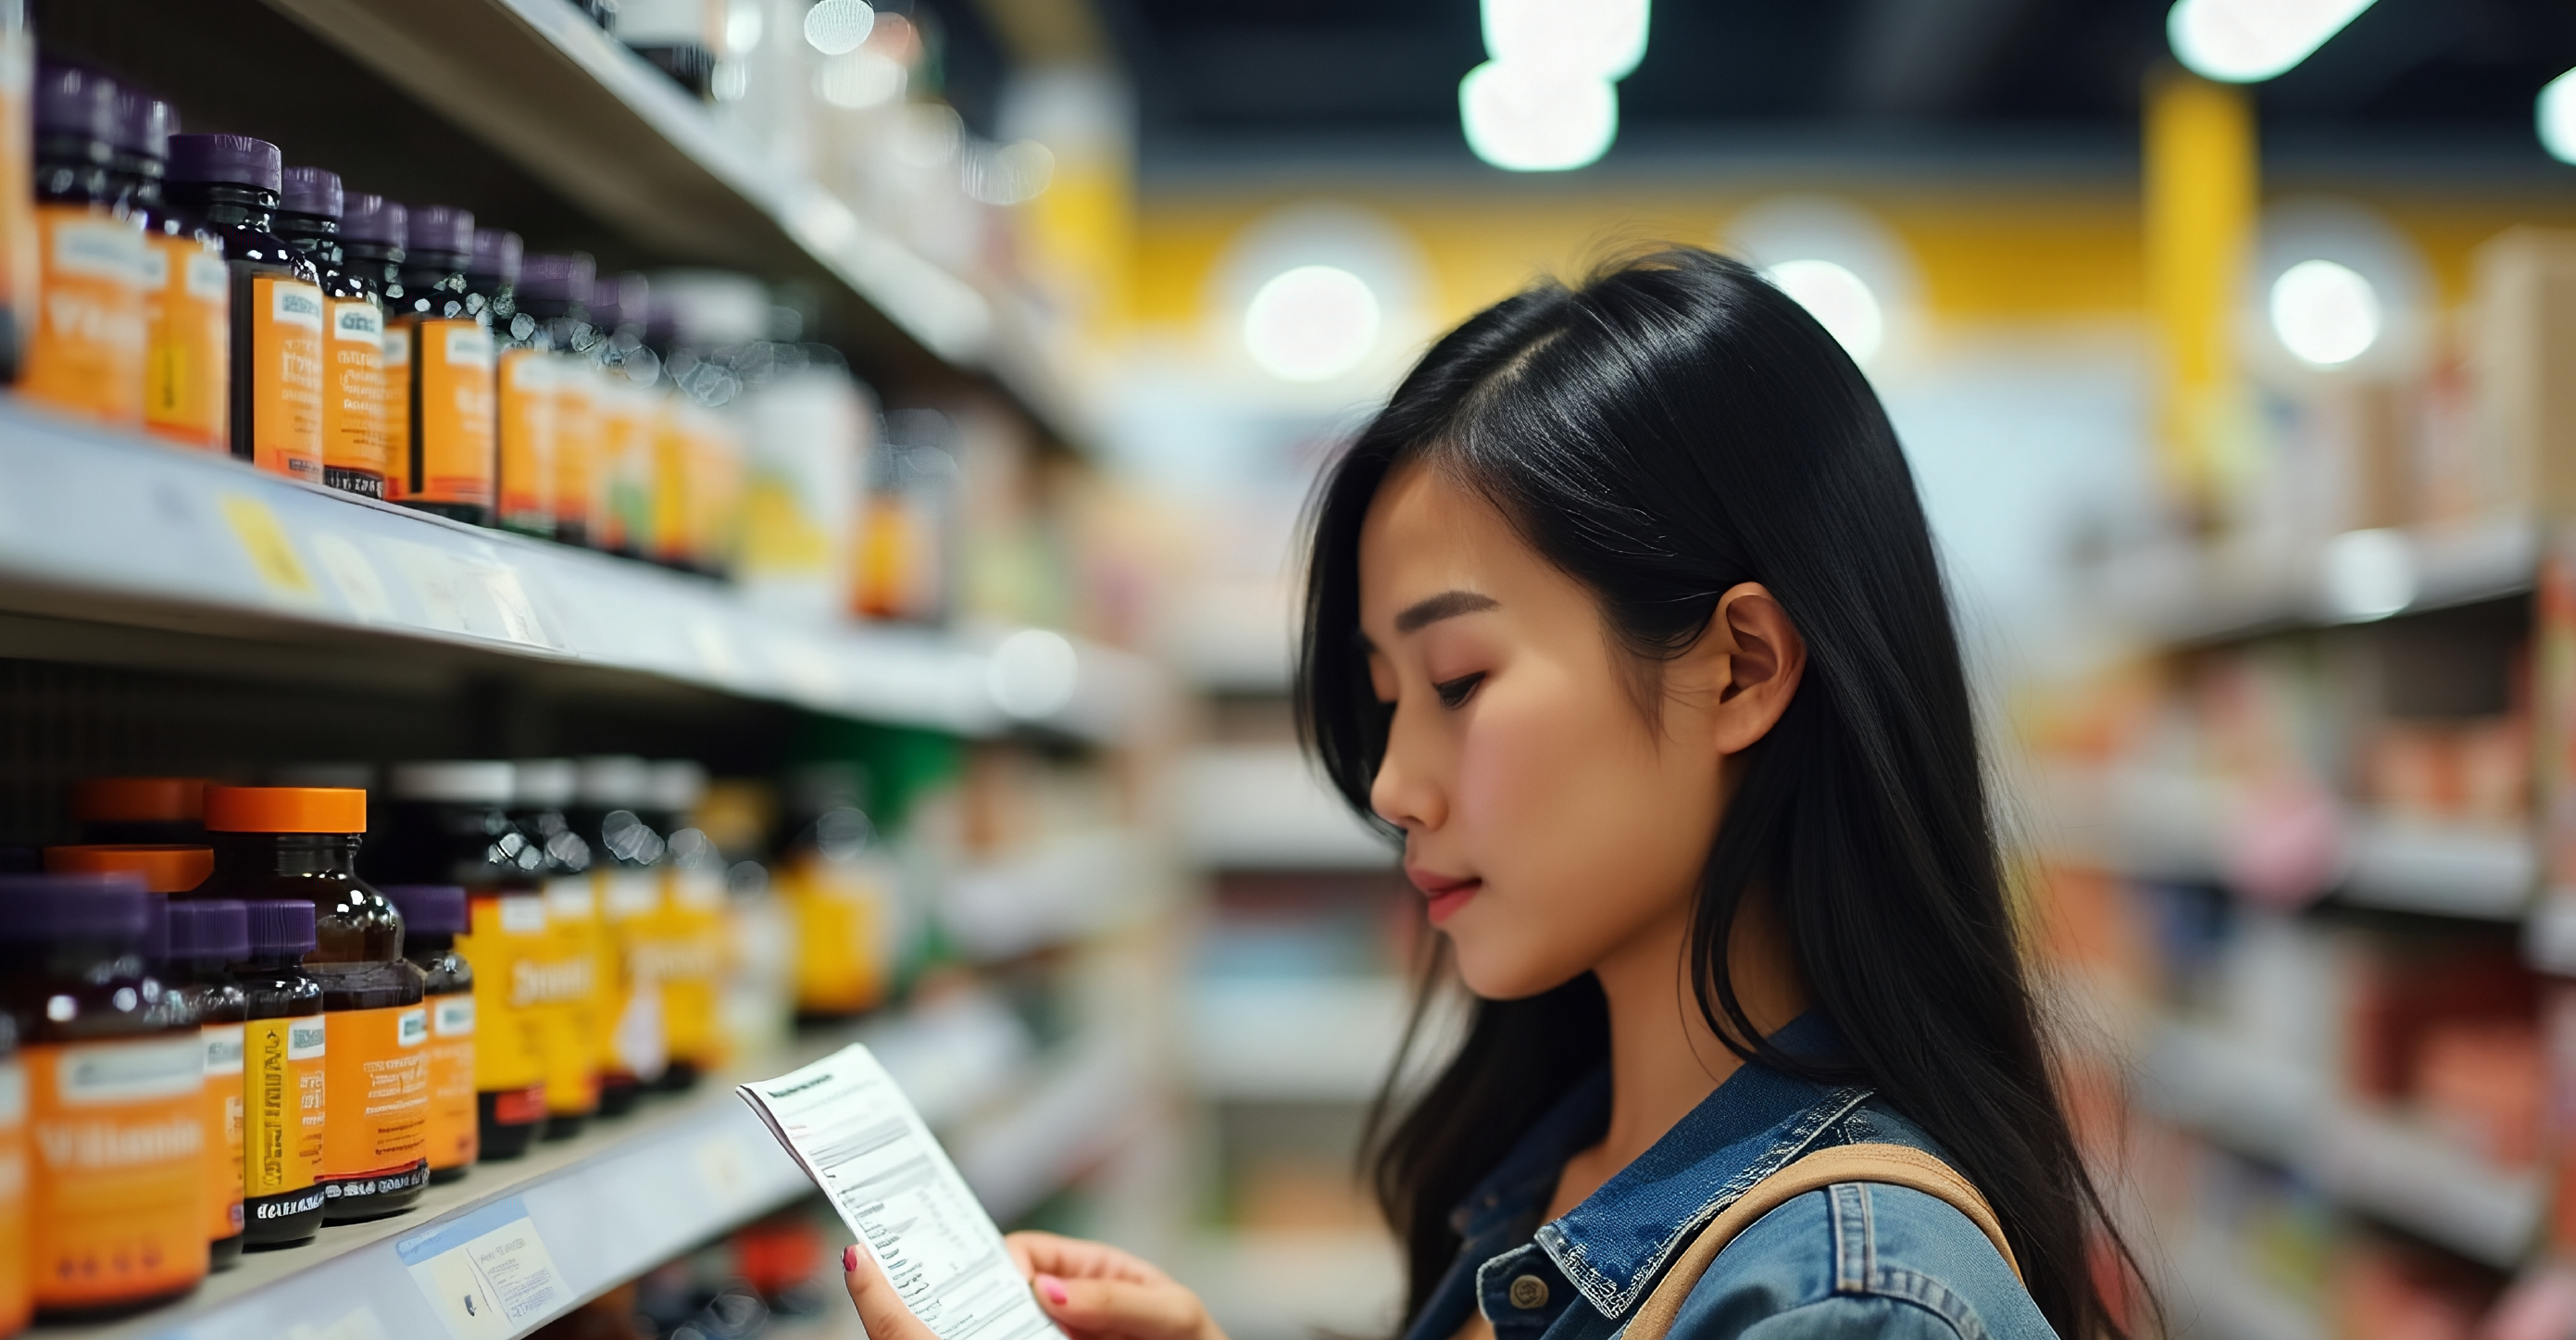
column 285, row 1094
column 207, row 937
column 85, row 355
column 229, row 185
column 433, row 916
column 353, row 344
column 440, row 456
column 554, row 292
column 18, row 247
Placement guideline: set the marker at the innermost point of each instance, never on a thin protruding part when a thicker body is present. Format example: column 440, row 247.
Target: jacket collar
column 1615, row 1243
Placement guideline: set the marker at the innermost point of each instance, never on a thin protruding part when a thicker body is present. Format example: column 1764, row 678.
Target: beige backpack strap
column 1893, row 1165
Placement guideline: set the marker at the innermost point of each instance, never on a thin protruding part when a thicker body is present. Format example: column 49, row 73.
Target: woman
column 1623, row 613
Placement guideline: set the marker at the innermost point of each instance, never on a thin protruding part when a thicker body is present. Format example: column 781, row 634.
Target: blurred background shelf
column 2183, row 593
column 122, row 549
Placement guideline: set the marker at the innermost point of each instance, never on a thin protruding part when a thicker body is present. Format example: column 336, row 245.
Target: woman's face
column 1547, row 820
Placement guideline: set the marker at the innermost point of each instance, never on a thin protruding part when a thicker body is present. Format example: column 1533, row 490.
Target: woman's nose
column 1406, row 792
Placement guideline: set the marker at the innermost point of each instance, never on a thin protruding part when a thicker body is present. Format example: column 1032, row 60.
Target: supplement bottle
column 353, row 335
column 439, row 455
column 524, row 379
column 229, row 184
column 433, row 916
column 208, row 936
column 85, row 356
column 626, row 397
column 553, row 291
column 115, row 1075
column 302, row 842
column 573, row 1023
column 149, row 810
column 16, row 1234
column 18, row 259
column 285, row 1096
column 449, row 823
column 187, row 308
column 166, row 868
column 655, row 1008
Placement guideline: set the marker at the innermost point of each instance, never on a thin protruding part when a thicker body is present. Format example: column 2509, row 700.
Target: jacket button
column 1528, row 1291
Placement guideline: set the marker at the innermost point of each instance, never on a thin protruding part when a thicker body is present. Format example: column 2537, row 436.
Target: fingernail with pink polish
column 850, row 1258
column 1053, row 1288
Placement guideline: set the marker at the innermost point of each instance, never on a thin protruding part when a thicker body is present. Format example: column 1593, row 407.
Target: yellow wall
column 2017, row 253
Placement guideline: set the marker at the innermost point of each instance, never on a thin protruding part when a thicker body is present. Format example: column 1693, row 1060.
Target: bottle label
column 685, row 948
column 224, row 1177
column 507, row 1050
column 378, row 1136
column 353, row 403
column 452, row 455
column 187, row 342
column 839, row 911
column 453, row 1137
column 14, row 1242
column 86, row 354
column 118, row 1133
column 626, row 465
column 283, row 1112
column 286, row 377
column 528, row 439
column 578, row 499
column 397, row 410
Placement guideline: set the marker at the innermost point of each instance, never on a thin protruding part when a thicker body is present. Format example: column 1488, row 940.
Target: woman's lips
column 1447, row 893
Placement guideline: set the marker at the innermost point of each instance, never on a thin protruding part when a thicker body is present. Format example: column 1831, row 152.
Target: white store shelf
column 99, row 529
column 2282, row 1111
column 1263, row 807
column 2188, row 594
column 2208, row 1294
column 1294, row 1039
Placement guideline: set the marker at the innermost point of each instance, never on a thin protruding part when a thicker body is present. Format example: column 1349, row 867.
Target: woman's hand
column 1092, row 1290
column 1097, row 1292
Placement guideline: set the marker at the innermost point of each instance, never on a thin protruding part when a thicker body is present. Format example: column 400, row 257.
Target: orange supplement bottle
column 284, row 1099
column 115, row 1074
column 523, row 380
column 353, row 335
column 140, row 809
column 302, row 841
column 187, row 292
column 16, row 1234
column 433, row 916
column 553, row 291
column 208, row 936
column 440, row 456
column 229, row 184
column 85, row 354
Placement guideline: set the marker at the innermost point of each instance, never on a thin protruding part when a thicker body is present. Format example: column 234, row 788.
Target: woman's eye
column 1454, row 692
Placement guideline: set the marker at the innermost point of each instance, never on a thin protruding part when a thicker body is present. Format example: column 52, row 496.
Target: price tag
column 487, row 1275
column 271, row 554
column 510, row 601
column 355, row 577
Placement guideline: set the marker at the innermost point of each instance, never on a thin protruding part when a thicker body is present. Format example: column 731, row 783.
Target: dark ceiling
column 1238, row 75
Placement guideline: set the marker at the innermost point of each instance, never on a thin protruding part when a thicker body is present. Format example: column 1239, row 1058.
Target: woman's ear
column 1764, row 660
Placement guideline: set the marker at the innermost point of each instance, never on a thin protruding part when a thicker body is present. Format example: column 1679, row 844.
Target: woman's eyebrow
column 1446, row 605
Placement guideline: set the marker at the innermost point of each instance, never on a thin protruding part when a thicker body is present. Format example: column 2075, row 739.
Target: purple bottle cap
column 236, row 160
column 156, row 928
column 85, row 905
column 310, row 190
column 372, row 218
column 558, row 278
column 442, row 230
column 215, row 928
column 620, row 300
column 281, row 926
column 74, row 102
column 144, row 124
column 496, row 255
column 429, row 909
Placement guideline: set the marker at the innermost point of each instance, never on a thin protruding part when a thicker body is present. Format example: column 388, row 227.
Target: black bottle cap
column 236, row 160
column 310, row 190
column 144, row 124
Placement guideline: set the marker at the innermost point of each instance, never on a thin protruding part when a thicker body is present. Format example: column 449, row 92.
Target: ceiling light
column 2247, row 41
column 2556, row 112
column 1598, row 39
column 836, row 26
column 1839, row 301
column 1311, row 324
column 1532, row 119
column 2325, row 314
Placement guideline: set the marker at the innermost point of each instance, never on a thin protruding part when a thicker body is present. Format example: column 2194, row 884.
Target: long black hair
column 1670, row 427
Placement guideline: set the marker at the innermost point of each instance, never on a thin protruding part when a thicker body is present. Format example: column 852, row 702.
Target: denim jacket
column 1854, row 1259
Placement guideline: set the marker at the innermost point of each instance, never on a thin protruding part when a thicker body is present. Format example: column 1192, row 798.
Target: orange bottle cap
column 137, row 799
column 166, row 867
column 285, row 809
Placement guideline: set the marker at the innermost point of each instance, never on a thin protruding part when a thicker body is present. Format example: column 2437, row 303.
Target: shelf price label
column 487, row 1275
column 272, row 556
